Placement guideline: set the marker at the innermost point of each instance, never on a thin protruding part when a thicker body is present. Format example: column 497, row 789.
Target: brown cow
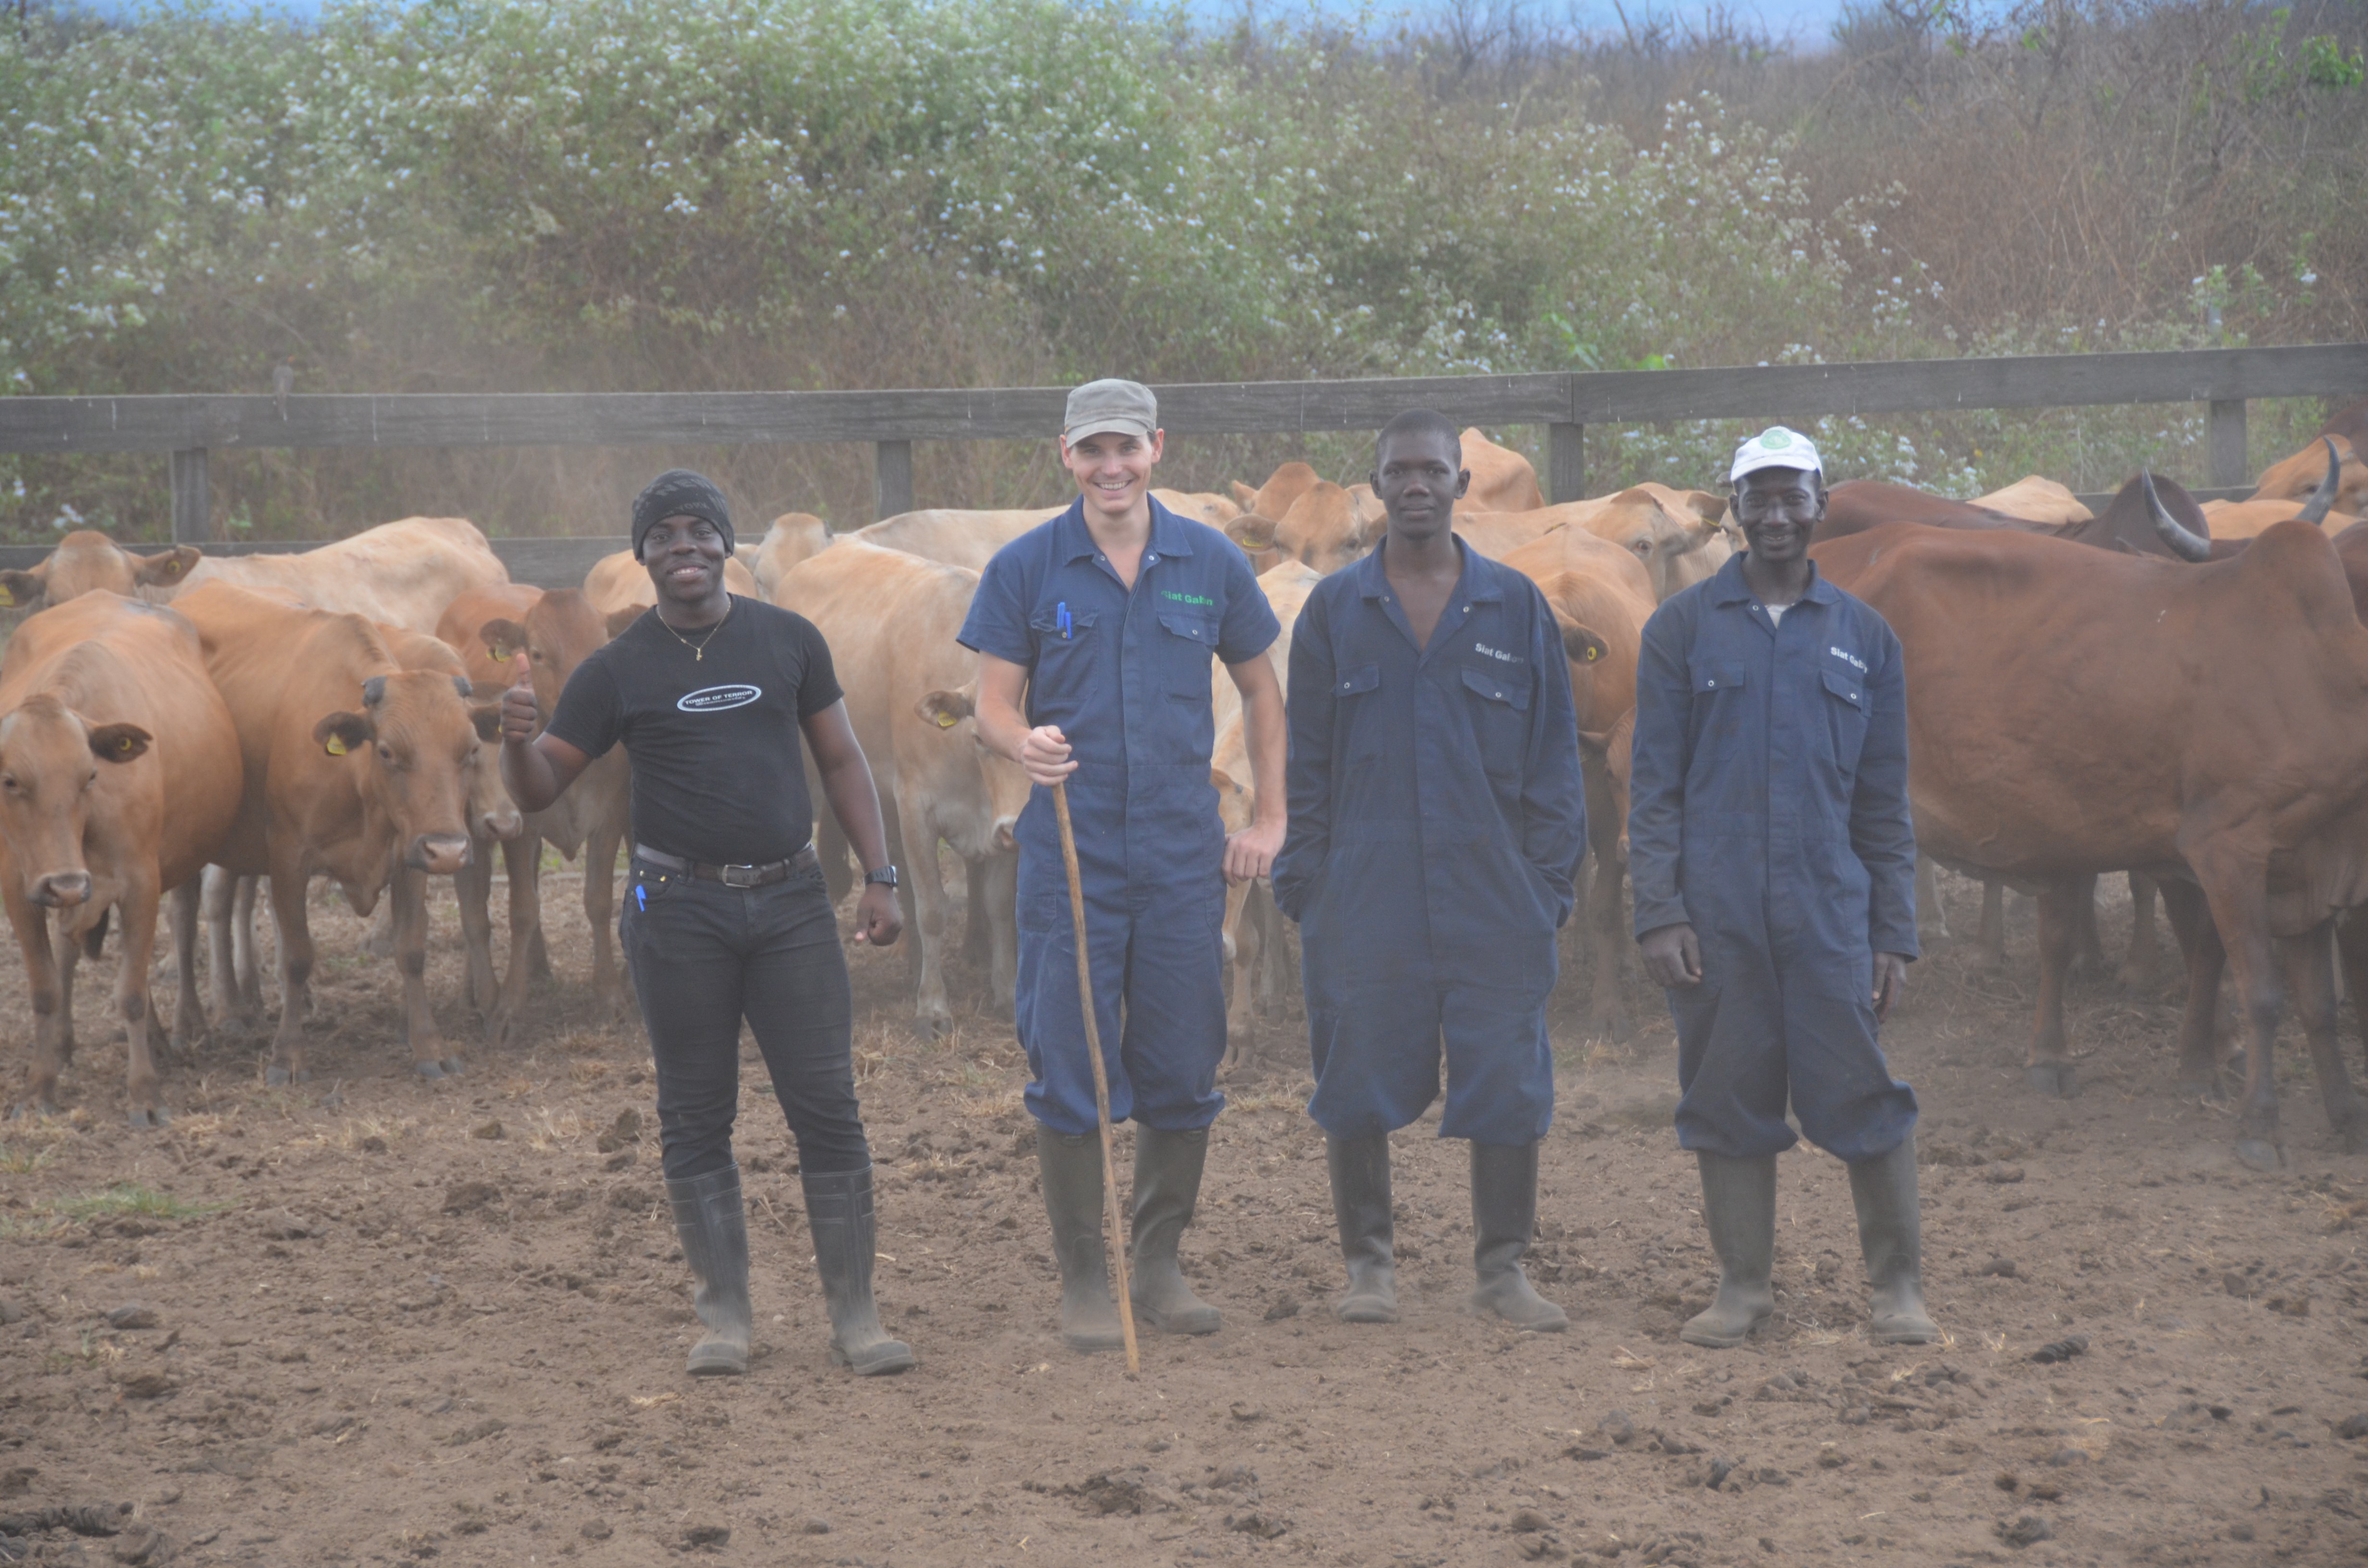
column 1281, row 491
column 354, row 766
column 953, row 538
column 793, row 538
column 557, row 633
column 619, row 583
column 104, row 705
column 1502, row 479
column 2221, row 710
column 890, row 619
column 400, row 573
column 2294, row 478
column 1324, row 529
column 1201, row 506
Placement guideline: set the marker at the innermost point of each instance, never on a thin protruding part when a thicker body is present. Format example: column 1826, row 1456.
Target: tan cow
column 557, row 633
column 952, row 537
column 105, row 707
column 793, row 538
column 355, row 767
column 1201, row 506
column 2037, row 500
column 2246, row 519
column 1281, row 491
column 1502, row 479
column 2295, row 478
column 890, row 619
column 619, row 582
column 401, row 574
column 1601, row 598
column 1253, row 929
column 1673, row 534
column 1322, row 528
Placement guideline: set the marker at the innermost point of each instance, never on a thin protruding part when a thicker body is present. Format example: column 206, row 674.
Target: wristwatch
column 885, row 877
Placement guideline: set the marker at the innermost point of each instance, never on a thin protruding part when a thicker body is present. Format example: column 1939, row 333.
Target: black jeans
column 704, row 956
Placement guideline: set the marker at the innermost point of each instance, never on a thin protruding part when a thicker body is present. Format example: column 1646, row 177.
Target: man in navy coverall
column 1774, row 864
column 1105, row 619
column 1438, row 819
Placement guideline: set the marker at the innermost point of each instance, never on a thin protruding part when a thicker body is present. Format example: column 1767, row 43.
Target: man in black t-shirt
column 725, row 917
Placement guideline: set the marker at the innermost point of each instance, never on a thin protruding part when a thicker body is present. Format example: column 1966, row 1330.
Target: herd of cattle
column 2167, row 689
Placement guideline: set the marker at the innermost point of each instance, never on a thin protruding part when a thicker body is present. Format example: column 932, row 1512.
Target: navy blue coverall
column 1438, row 819
column 1768, row 809
column 1126, row 676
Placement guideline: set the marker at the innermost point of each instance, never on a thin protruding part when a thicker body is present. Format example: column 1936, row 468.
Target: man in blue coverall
column 1438, row 819
column 1104, row 620
column 1774, row 864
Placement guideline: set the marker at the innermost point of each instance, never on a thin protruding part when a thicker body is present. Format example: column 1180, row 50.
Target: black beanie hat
column 678, row 493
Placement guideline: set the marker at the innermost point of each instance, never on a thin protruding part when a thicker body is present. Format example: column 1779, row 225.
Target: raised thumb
column 522, row 673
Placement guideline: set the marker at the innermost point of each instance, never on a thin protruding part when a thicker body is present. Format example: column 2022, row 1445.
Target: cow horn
column 2322, row 500
column 2175, row 536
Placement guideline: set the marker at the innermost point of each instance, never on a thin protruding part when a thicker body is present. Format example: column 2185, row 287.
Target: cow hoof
column 2260, row 1154
column 2201, row 1089
column 2051, row 1078
column 451, row 1065
column 937, row 1027
column 429, row 1070
column 144, row 1118
column 275, row 1078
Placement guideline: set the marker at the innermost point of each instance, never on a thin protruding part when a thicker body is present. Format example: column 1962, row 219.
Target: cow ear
column 1223, row 780
column 488, row 718
column 170, row 566
column 1595, row 744
column 373, row 691
column 1252, row 532
column 341, row 733
column 117, row 742
column 23, row 590
column 1582, row 646
column 945, row 708
column 621, row 618
column 502, row 637
column 1244, row 496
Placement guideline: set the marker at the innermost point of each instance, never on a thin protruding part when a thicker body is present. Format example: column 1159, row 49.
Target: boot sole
column 1183, row 1330
column 1365, row 1313
column 880, row 1365
column 1093, row 1346
column 1928, row 1334
column 1720, row 1341
column 717, row 1366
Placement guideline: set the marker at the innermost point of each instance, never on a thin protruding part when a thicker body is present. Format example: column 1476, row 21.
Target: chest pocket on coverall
column 1365, row 740
column 1719, row 718
column 1846, row 718
column 1185, row 653
column 1054, row 653
column 1501, row 716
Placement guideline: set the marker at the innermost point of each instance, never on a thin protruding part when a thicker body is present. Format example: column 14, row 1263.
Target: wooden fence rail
column 189, row 427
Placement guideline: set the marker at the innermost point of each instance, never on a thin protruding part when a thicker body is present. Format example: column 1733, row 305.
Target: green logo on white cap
column 1776, row 440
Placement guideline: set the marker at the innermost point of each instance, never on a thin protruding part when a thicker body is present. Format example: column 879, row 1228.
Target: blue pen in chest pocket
column 1061, row 619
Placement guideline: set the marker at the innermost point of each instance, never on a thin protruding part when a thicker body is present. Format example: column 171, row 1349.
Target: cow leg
column 925, row 879
column 1274, row 974
column 2049, row 1067
column 2309, row 963
column 600, row 906
column 189, row 1025
column 1931, row 919
column 1989, row 938
column 380, row 943
column 2088, row 942
column 137, row 907
column 2142, row 970
column 32, row 924
column 294, row 925
column 472, row 889
column 998, row 885
column 2236, row 892
column 522, row 862
column 69, row 951
column 2198, row 1024
column 217, row 895
column 2351, row 948
column 244, row 959
column 1241, row 957
column 1607, row 920
column 429, row 1058
column 978, row 934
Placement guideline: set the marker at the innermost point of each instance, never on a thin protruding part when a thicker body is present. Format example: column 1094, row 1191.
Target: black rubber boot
column 1884, row 1191
column 715, row 1234
column 1361, row 1206
column 1071, row 1172
column 1166, row 1187
column 1740, row 1209
column 839, row 1214
column 1504, row 1218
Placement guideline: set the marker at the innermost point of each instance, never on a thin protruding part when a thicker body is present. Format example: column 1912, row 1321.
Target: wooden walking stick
column 1101, row 1076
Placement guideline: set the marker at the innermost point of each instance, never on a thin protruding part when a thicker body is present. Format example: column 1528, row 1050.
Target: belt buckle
column 737, row 876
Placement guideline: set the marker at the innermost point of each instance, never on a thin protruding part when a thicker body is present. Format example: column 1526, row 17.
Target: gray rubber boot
column 1884, row 1191
column 1504, row 1218
column 1740, row 1209
column 846, row 1234
column 1166, row 1185
column 1071, row 1172
column 715, row 1234
column 1360, row 1206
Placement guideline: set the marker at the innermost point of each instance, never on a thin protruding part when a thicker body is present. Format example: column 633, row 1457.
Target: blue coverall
column 1768, row 809
column 1126, row 676
column 1438, row 819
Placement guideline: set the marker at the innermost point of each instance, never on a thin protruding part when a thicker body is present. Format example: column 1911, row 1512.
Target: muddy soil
column 375, row 1320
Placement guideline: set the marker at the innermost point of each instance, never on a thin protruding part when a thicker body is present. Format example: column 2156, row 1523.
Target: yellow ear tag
column 336, row 745
column 501, row 654
column 123, row 744
column 947, row 721
column 7, row 599
column 1594, row 653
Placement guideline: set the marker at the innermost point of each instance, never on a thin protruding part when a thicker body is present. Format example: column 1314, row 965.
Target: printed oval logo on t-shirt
column 715, row 699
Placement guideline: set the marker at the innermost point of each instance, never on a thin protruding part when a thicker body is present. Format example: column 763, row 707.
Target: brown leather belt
column 733, row 876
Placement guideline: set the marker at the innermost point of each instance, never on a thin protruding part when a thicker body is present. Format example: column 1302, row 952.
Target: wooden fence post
column 1565, row 463
column 192, row 504
column 2224, row 440
column 891, row 478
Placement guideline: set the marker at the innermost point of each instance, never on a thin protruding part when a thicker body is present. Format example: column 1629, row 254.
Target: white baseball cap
column 1776, row 447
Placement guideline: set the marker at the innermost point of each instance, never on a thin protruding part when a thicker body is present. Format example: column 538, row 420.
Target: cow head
column 954, row 715
column 560, row 632
column 51, row 758
column 419, row 738
column 1324, row 529
column 85, row 562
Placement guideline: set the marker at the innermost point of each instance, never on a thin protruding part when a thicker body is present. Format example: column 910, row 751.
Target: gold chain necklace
column 698, row 649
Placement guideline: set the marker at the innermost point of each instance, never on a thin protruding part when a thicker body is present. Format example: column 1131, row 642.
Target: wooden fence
column 189, row 427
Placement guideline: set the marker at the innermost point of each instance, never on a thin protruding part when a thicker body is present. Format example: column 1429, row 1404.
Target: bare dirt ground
column 373, row 1319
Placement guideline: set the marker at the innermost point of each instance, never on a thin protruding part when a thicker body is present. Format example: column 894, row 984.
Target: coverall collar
column 1729, row 588
column 1476, row 583
column 1167, row 534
